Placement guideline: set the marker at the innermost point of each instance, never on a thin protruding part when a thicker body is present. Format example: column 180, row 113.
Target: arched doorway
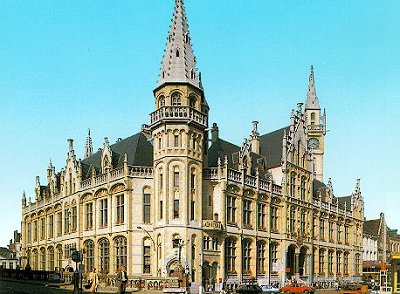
column 290, row 261
column 173, row 268
column 209, row 275
column 303, row 267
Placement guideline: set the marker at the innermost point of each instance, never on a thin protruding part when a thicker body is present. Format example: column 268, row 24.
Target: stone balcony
column 212, row 225
column 178, row 113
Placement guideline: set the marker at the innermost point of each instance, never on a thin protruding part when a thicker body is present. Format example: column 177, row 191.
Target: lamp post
column 155, row 248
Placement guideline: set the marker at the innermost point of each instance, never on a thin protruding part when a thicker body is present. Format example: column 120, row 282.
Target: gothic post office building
column 177, row 194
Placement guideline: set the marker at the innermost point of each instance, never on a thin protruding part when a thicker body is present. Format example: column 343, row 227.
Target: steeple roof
column 179, row 63
column 312, row 99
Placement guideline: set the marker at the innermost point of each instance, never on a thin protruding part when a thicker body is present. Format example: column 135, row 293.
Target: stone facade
column 166, row 199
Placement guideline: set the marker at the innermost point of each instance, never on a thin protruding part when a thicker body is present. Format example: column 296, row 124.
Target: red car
column 288, row 289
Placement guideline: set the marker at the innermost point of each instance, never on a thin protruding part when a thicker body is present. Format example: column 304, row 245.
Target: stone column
column 297, row 265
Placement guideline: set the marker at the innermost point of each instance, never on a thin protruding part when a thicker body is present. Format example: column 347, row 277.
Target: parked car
column 297, row 288
column 249, row 289
column 375, row 290
column 270, row 289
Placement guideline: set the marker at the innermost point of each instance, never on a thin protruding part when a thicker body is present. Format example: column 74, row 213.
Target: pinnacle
column 312, row 99
column 179, row 63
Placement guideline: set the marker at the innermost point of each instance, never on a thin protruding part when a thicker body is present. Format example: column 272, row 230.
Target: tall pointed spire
column 312, row 99
column 179, row 64
column 89, row 145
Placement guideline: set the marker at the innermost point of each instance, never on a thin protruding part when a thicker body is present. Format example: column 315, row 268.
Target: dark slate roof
column 371, row 227
column 219, row 149
column 345, row 201
column 138, row 149
column 271, row 146
column 6, row 253
column 320, row 188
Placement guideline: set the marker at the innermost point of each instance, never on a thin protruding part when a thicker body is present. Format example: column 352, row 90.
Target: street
column 11, row 287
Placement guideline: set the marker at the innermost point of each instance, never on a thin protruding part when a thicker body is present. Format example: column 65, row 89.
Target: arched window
column 43, row 258
column 176, row 99
column 312, row 118
column 161, row 101
column 51, row 258
column 192, row 101
column 230, row 256
column 121, row 252
column 273, row 257
column 35, row 263
column 292, row 183
column 89, row 254
column 104, row 255
column 321, row 262
column 59, row 256
column 192, row 74
column 357, row 263
column 303, row 188
column 246, row 256
column 260, row 257
column 339, row 262
column 346, row 263
column 292, row 218
column 177, row 52
column 330, row 262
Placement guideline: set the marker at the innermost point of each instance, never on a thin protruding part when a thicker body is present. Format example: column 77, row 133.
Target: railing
column 276, row 189
column 141, row 171
column 264, row 185
column 234, row 175
column 116, row 173
column 250, row 180
column 178, row 113
column 210, row 173
column 86, row 184
column 101, row 179
column 212, row 225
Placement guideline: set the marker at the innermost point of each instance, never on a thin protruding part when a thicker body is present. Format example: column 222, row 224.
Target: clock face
column 313, row 143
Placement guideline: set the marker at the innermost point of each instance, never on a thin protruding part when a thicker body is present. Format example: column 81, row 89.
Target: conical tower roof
column 312, row 99
column 179, row 63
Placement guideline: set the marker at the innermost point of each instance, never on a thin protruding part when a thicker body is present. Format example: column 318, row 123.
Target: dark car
column 249, row 289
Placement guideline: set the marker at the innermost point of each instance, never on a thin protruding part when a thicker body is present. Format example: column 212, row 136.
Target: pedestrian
column 93, row 280
column 122, row 279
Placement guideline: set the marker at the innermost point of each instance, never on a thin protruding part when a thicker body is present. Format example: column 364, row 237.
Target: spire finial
column 312, row 99
column 88, row 146
column 179, row 62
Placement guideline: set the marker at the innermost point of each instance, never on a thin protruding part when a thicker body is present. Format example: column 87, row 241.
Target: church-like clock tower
column 316, row 125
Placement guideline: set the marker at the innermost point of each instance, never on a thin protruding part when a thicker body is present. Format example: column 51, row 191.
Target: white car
column 375, row 290
column 270, row 289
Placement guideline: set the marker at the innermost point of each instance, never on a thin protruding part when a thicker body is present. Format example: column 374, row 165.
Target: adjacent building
column 177, row 195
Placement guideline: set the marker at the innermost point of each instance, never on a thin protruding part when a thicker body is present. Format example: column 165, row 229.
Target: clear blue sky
column 66, row 66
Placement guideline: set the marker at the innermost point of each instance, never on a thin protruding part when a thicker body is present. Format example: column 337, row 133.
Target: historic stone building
column 170, row 196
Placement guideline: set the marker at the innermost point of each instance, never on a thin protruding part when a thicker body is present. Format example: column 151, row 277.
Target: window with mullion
column 146, row 259
column 261, row 216
column 51, row 226
column 146, row 208
column 42, row 228
column 230, row 256
column 274, row 219
column 66, row 221
column 104, row 212
column 74, row 219
column 246, row 256
column 120, row 209
column 121, row 248
column 247, row 213
column 260, row 258
column 89, row 216
column 89, row 255
column 104, row 250
column 230, row 209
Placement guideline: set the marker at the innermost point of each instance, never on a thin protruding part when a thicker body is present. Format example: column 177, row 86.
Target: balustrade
column 178, row 113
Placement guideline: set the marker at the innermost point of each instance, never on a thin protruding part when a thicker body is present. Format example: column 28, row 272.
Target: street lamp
column 155, row 248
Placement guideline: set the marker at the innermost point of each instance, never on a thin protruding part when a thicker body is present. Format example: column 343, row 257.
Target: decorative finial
column 70, row 144
column 89, row 145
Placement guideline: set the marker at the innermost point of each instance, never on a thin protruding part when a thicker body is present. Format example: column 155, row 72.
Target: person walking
column 94, row 279
column 122, row 279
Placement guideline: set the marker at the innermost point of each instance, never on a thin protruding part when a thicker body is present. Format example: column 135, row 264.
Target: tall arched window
column 176, row 99
column 339, row 262
column 357, row 263
column 51, row 258
column 321, row 261
column 292, row 183
column 35, row 263
column 312, row 118
column 330, row 262
column 121, row 252
column 192, row 101
column 260, row 257
column 104, row 255
column 59, row 256
column 346, row 263
column 89, row 254
column 43, row 258
column 303, row 188
column 161, row 101
column 246, row 256
column 230, row 255
column 273, row 257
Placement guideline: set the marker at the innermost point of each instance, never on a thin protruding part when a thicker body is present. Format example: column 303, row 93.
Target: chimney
column 214, row 132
